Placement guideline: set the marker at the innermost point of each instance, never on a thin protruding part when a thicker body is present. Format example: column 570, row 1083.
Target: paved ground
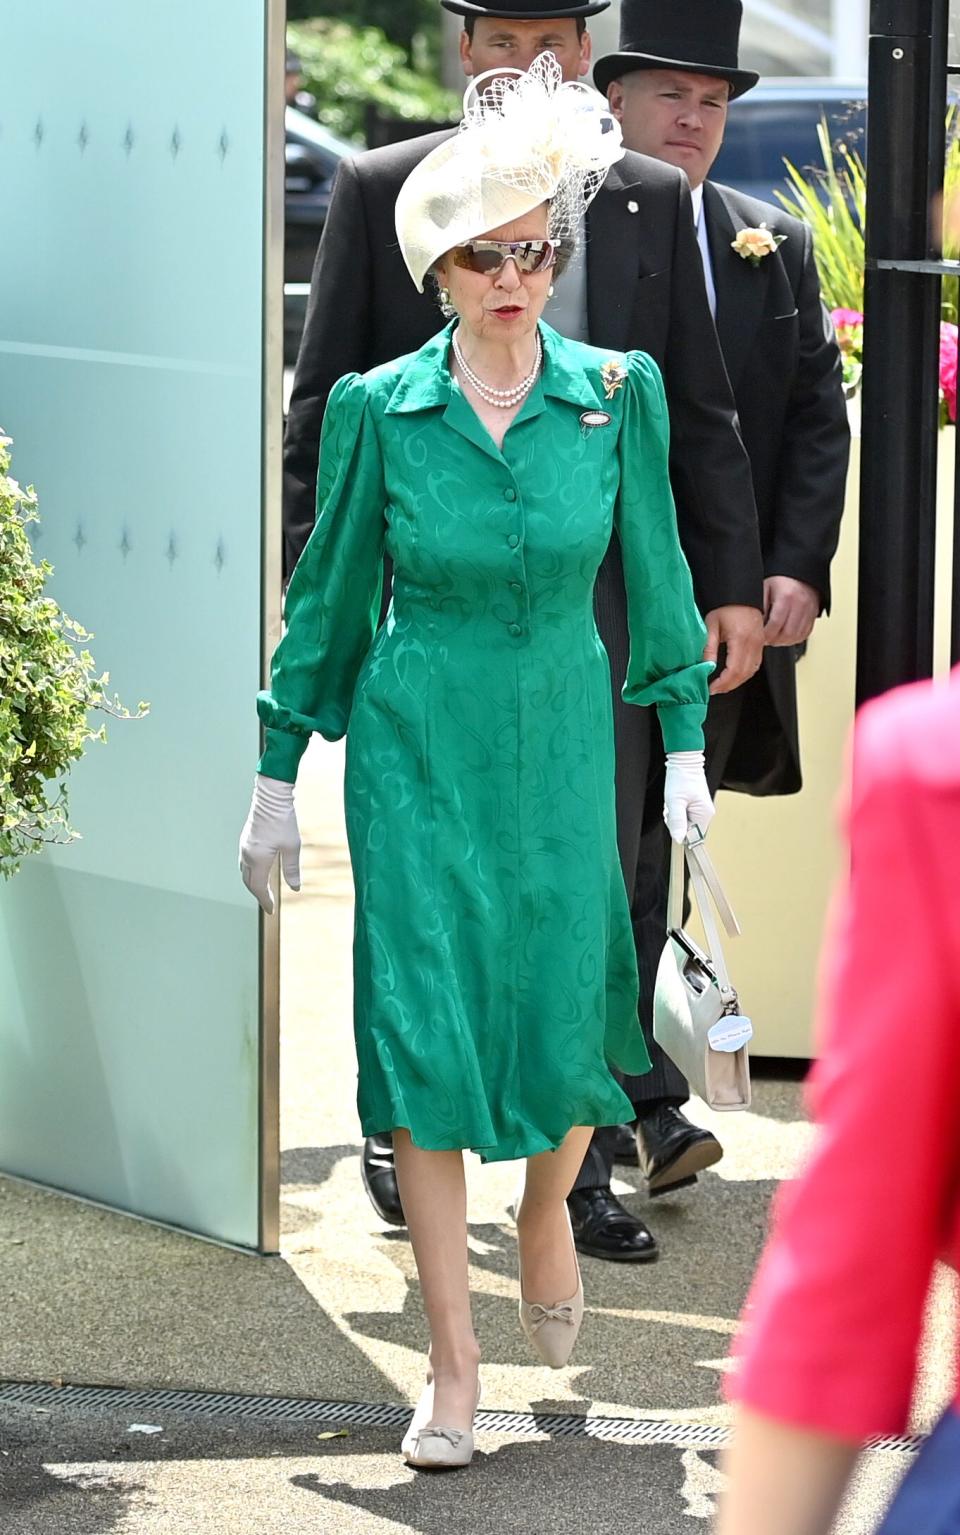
column 90, row 1475
column 88, row 1296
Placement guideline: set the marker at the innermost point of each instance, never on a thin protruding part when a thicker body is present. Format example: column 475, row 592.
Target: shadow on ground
column 67, row 1472
column 86, row 1473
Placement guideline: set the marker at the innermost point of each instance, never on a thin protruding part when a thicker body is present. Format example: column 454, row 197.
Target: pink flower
column 848, row 324
column 948, row 368
column 847, row 319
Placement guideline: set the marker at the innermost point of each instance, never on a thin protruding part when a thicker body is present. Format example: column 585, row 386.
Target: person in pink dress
column 828, row 1353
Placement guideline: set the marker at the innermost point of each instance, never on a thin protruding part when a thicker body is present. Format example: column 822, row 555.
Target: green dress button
column 513, row 540
column 515, row 630
column 510, row 495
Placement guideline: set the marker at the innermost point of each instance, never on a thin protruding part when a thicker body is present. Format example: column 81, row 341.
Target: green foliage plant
column 414, row 25
column 48, row 688
column 950, row 297
column 347, row 67
column 833, row 203
column 832, row 200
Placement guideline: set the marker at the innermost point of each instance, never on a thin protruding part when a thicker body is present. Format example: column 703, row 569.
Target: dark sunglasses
column 488, row 257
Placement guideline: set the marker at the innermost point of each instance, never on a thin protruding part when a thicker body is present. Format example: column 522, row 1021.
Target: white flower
column 753, row 244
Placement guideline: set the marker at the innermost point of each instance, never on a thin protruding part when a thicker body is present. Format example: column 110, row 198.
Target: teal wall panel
column 131, row 379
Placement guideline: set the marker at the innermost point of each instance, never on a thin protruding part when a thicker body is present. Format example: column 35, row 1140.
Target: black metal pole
column 901, row 336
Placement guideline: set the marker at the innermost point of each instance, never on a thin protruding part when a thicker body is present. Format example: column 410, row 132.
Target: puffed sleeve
column 333, row 600
column 667, row 635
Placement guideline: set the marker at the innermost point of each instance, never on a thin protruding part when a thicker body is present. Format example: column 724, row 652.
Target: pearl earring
column 444, row 298
column 551, row 291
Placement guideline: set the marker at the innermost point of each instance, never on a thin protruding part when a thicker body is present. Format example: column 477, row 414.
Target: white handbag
column 696, row 1012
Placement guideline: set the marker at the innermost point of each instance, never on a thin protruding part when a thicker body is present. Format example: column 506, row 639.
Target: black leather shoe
column 602, row 1228
column 673, row 1151
column 380, row 1179
column 625, row 1147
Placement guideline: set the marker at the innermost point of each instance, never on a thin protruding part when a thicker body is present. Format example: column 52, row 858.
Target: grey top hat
column 528, row 10
column 701, row 37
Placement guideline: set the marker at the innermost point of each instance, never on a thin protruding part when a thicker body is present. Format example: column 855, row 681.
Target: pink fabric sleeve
column 833, row 1323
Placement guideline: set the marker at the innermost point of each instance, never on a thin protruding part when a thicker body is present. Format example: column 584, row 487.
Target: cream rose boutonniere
column 613, row 375
column 754, row 244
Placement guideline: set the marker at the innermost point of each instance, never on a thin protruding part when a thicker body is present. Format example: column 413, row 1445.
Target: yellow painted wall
column 778, row 859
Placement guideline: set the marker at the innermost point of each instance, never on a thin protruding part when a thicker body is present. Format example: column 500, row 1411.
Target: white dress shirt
column 700, row 219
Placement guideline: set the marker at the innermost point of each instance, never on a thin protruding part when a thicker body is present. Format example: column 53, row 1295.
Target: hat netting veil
column 525, row 139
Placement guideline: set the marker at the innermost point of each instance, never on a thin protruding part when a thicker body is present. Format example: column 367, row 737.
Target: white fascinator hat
column 526, row 139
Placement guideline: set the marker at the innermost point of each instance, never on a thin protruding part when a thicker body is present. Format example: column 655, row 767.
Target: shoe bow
column 451, row 1435
column 540, row 1314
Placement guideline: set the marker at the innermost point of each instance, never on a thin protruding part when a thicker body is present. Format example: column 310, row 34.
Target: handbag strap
column 699, row 858
column 675, row 896
column 707, row 892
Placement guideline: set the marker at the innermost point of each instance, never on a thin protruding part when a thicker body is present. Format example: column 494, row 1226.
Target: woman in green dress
column 495, row 973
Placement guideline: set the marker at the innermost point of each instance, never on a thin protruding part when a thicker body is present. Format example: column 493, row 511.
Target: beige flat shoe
column 432, row 1448
column 553, row 1330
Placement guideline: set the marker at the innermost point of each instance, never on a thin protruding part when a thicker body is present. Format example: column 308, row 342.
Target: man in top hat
column 638, row 283
column 670, row 85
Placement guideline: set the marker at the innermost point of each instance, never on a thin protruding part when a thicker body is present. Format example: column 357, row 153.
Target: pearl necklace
column 504, row 399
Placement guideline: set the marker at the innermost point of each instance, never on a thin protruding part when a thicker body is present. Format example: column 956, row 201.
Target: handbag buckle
column 692, row 950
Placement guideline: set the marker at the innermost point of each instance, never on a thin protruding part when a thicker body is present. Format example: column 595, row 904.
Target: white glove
column 686, row 798
column 271, row 828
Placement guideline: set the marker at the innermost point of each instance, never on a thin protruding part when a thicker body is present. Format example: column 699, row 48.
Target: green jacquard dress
column 494, row 964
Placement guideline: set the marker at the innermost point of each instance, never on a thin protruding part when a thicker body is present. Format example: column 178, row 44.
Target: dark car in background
column 776, row 121
column 312, row 154
column 311, row 158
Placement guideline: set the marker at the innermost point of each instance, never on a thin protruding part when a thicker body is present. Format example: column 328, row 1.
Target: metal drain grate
column 285, row 1409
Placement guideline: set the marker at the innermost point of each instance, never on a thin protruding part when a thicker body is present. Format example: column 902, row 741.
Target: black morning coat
column 785, row 370
column 645, row 291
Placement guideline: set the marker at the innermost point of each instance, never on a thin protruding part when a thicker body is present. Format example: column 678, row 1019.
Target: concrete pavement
column 89, row 1474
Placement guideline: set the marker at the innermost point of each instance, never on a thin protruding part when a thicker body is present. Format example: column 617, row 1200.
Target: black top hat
column 699, row 36
column 528, row 10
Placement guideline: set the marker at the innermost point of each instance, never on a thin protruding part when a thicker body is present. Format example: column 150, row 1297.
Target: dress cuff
column 281, row 755
column 682, row 726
